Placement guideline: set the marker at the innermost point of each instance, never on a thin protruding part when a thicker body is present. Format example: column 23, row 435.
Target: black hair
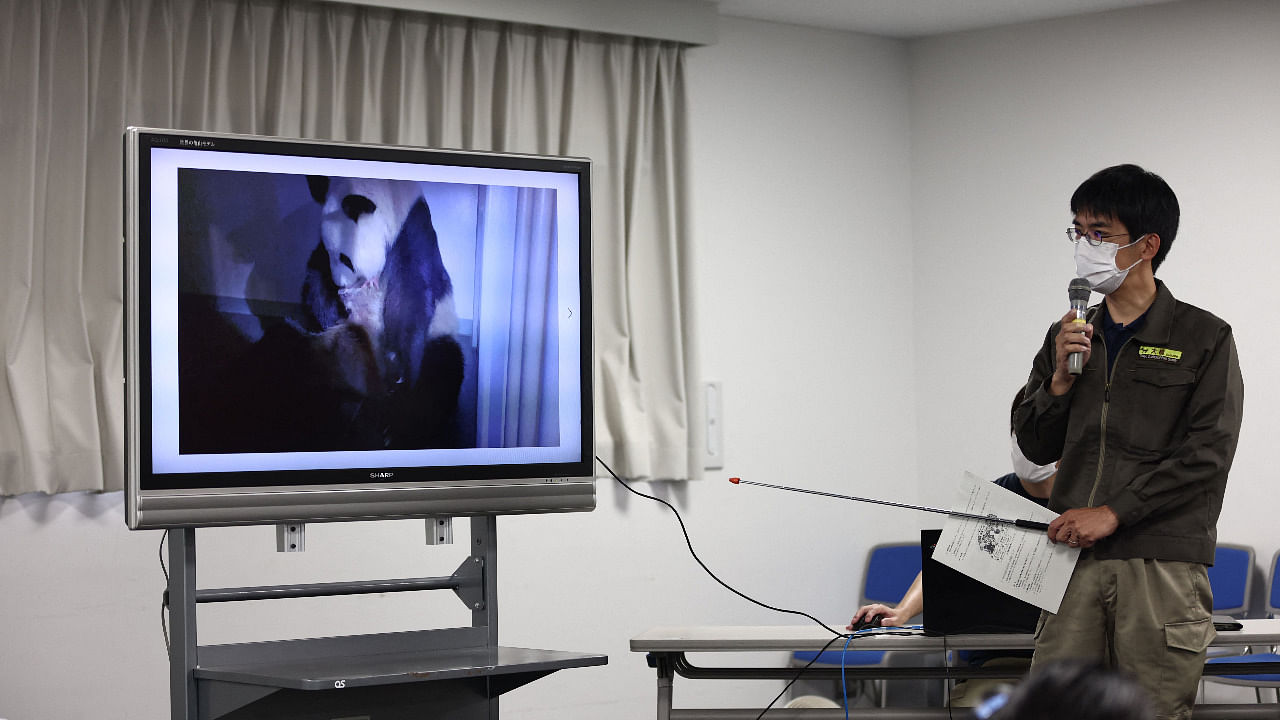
column 1141, row 200
column 1074, row 689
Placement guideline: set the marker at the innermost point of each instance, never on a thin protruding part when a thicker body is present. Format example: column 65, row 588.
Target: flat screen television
column 322, row 331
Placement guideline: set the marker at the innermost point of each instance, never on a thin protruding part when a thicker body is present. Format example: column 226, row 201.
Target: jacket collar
column 1159, row 322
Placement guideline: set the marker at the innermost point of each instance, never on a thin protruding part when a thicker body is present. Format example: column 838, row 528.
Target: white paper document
column 1020, row 562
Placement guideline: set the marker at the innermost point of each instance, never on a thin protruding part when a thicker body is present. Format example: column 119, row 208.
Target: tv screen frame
column 249, row 462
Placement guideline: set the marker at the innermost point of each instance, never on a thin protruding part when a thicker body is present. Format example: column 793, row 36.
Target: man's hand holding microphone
column 1074, row 339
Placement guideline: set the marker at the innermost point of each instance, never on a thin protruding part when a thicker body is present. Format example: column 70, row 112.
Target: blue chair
column 1257, row 682
column 1231, row 578
column 891, row 568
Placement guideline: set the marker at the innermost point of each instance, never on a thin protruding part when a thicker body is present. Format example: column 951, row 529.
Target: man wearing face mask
column 1146, row 434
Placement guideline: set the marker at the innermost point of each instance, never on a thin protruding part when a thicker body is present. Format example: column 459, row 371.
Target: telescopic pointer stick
column 1028, row 524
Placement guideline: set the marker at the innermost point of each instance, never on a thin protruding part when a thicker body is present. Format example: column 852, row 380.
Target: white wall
column 1006, row 123
column 801, row 218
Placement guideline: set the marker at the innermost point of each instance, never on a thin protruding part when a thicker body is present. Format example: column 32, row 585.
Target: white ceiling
column 915, row 18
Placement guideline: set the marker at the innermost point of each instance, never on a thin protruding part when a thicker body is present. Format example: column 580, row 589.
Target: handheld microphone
column 1078, row 293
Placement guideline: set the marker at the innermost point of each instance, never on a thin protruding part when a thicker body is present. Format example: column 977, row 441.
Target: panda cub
column 377, row 265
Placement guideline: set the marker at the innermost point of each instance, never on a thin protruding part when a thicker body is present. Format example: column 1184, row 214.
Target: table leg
column 666, row 680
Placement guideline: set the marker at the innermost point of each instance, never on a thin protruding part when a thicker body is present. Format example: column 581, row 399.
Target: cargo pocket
column 1193, row 636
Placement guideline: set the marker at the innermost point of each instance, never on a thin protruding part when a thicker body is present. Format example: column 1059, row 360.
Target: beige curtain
column 76, row 72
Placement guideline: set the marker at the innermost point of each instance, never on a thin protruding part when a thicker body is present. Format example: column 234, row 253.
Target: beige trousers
column 1150, row 618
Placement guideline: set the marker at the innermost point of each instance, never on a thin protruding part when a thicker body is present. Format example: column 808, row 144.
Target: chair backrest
column 1231, row 578
column 891, row 568
column 1273, row 597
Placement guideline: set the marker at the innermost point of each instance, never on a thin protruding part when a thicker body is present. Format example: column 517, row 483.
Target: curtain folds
column 76, row 72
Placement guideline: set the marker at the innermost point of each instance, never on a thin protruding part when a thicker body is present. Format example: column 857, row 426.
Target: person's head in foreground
column 1074, row 690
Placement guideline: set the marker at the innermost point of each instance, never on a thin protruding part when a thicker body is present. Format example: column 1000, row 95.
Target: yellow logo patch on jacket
column 1158, row 353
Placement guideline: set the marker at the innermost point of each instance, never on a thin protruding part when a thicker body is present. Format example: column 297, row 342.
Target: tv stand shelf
column 363, row 664
column 457, row 672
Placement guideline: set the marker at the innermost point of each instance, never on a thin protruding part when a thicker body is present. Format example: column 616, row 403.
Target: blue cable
column 844, row 684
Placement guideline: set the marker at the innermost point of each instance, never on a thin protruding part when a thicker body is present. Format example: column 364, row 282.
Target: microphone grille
column 1079, row 289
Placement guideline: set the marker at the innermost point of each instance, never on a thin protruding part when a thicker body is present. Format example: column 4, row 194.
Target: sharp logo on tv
column 381, row 475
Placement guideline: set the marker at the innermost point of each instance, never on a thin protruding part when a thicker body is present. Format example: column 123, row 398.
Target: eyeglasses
column 1093, row 237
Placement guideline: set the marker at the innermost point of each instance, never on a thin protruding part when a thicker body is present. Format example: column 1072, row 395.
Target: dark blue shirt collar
column 1115, row 335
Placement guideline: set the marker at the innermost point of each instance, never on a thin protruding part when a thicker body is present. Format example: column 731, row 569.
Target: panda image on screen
column 377, row 266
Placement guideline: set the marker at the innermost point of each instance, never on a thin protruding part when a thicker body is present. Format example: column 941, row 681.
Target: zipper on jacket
column 1106, row 406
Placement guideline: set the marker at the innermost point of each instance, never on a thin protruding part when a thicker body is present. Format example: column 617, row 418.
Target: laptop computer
column 956, row 604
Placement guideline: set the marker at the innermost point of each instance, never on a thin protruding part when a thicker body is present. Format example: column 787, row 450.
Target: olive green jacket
column 1154, row 441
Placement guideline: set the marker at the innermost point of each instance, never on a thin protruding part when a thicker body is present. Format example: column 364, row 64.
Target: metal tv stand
column 446, row 673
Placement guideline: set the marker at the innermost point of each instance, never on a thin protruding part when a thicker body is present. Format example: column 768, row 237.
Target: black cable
column 164, row 598
column 800, row 672
column 835, row 635
column 724, row 584
column 164, row 569
column 946, row 685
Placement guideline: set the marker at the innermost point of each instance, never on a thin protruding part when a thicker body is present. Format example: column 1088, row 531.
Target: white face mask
column 1027, row 470
column 1097, row 264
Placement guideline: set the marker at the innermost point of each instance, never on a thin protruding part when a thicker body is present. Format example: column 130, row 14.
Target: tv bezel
column 345, row 494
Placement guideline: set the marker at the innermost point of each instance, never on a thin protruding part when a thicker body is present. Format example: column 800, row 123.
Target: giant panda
column 377, row 265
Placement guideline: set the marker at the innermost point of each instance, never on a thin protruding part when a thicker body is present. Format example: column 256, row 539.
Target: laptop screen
column 956, row 604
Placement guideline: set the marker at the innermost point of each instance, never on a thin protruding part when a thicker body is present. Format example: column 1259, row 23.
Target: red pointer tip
column 735, row 481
